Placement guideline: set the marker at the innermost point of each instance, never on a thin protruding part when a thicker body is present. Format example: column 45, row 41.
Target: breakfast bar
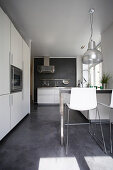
column 102, row 96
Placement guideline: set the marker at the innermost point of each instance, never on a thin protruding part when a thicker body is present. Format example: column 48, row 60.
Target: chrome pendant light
column 92, row 55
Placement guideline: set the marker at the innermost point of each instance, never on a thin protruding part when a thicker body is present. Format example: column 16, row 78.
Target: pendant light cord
column 91, row 23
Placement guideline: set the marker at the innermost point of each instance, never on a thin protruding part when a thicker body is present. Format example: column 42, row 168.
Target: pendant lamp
column 92, row 55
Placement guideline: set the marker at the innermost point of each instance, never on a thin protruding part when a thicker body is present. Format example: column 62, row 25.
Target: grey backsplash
column 64, row 75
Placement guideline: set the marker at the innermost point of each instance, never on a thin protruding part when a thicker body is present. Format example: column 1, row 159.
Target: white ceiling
column 59, row 28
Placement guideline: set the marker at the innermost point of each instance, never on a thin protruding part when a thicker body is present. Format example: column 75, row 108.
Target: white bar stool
column 110, row 107
column 83, row 99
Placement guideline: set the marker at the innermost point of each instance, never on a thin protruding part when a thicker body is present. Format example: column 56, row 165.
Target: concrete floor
column 35, row 145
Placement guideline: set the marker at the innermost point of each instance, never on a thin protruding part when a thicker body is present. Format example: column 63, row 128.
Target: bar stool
column 110, row 107
column 83, row 99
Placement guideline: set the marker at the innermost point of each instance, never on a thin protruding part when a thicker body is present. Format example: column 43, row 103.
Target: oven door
column 16, row 79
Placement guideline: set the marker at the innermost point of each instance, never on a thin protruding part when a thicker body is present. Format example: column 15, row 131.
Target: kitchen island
column 50, row 95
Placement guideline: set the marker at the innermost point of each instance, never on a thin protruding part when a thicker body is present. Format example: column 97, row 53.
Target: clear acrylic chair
column 110, row 107
column 83, row 99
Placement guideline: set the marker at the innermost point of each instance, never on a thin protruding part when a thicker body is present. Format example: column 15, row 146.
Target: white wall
column 107, row 50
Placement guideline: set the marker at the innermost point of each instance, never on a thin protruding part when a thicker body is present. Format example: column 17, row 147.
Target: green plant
column 105, row 78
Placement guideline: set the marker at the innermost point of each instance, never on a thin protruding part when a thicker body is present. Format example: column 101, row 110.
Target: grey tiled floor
column 35, row 145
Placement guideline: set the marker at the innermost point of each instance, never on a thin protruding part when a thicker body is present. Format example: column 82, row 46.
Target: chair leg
column 89, row 126
column 110, row 139
column 104, row 145
column 67, row 132
column 95, row 130
column 92, row 130
column 110, row 126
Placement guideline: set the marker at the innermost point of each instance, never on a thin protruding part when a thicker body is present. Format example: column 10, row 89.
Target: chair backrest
column 83, row 99
column 111, row 105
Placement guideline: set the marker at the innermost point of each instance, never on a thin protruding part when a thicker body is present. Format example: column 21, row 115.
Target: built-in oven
column 16, row 79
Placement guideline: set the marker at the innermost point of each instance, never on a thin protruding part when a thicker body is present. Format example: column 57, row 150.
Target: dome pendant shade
column 92, row 55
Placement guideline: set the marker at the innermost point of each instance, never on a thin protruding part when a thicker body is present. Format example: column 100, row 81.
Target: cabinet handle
column 23, row 80
column 10, row 100
column 22, row 65
column 10, row 58
column 22, row 95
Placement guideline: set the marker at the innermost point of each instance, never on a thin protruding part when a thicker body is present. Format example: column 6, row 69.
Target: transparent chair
column 82, row 99
column 110, row 107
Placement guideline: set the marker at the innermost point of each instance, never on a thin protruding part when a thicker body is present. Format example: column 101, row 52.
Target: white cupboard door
column 45, row 95
column 45, row 99
column 26, row 79
column 4, row 115
column 16, row 48
column 4, row 53
column 16, row 108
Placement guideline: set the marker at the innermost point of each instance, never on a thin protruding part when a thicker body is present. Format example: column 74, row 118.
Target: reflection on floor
column 35, row 145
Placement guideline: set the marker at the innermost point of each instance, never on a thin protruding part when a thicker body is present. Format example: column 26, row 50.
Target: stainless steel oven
column 16, row 79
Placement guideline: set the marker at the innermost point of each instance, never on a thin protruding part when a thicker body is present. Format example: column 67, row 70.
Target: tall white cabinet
column 4, row 53
column 13, row 51
column 4, row 115
column 16, row 48
column 16, row 108
column 26, row 79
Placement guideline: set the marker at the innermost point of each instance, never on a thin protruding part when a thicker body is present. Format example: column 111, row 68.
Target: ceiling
column 59, row 28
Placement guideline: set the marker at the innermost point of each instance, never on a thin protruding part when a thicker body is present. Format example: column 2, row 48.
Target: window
column 92, row 74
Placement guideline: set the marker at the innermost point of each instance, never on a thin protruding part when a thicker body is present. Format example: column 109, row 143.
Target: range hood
column 46, row 68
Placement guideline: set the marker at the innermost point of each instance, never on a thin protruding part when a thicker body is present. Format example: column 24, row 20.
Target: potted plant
column 105, row 79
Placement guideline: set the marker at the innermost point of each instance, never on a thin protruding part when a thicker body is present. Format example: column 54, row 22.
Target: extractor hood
column 46, row 68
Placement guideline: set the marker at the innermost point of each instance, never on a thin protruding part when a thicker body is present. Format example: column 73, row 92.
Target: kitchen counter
column 50, row 95
column 63, row 89
column 55, row 87
column 99, row 90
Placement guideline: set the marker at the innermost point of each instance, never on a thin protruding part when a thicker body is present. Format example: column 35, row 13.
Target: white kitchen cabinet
column 45, row 95
column 16, row 108
column 4, row 115
column 26, row 79
column 4, row 53
column 46, row 99
column 16, row 48
column 13, row 51
column 49, row 95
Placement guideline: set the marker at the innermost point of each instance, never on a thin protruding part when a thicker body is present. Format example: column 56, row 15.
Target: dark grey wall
column 65, row 68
